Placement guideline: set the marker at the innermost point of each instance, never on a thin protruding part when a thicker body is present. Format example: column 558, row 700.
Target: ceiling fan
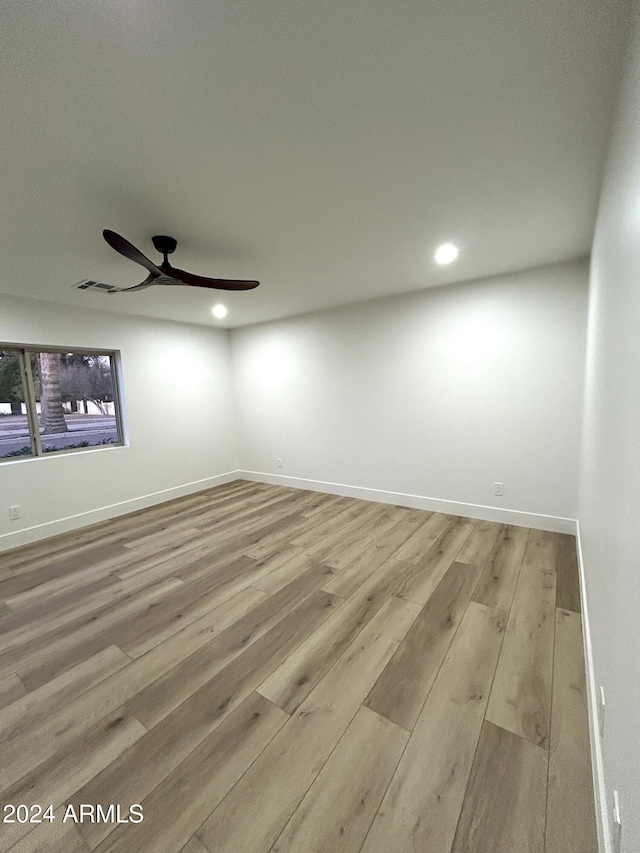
column 165, row 273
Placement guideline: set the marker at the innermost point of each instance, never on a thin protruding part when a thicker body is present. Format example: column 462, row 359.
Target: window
column 56, row 401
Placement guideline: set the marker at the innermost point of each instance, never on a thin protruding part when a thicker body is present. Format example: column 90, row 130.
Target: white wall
column 436, row 394
column 170, row 446
column 609, row 508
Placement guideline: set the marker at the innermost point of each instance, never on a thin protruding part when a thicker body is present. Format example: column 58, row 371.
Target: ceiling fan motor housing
column 163, row 244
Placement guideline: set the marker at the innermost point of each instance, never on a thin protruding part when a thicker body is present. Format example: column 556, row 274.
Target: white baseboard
column 599, row 787
column 553, row 523
column 82, row 519
column 37, row 532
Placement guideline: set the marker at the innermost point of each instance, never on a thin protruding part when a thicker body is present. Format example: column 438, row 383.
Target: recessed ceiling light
column 219, row 311
column 446, row 254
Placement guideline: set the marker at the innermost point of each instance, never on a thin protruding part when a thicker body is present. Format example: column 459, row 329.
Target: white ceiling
column 324, row 148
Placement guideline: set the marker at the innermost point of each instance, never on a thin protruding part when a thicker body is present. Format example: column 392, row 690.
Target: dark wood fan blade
column 129, row 251
column 201, row 281
column 146, row 283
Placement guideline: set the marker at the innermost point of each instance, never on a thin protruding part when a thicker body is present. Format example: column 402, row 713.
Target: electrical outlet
column 601, row 709
column 14, row 513
column 280, row 463
column 617, row 824
column 498, row 488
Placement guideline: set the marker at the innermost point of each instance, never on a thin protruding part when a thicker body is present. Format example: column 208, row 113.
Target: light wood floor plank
column 422, row 805
column 212, row 559
column 290, row 684
column 11, row 689
column 189, row 794
column 105, row 534
column 194, row 845
column 503, row 808
column 498, row 580
column 568, row 580
column 359, row 517
column 63, row 610
column 69, row 721
column 324, row 505
column 285, row 534
column 65, row 583
column 347, row 581
column 479, row 544
column 156, row 541
column 216, row 506
column 337, row 811
column 171, row 560
column 137, row 772
column 427, row 574
column 219, row 611
column 383, row 521
column 61, row 649
column 46, row 616
column 54, row 568
column 166, row 693
column 52, row 782
column 52, row 838
column 5, row 570
column 419, row 543
column 245, row 532
column 570, row 806
column 279, row 778
column 401, row 690
column 320, row 532
column 29, row 709
column 183, row 605
column 521, row 695
column 193, row 636
column 144, row 642
column 285, row 573
column 278, row 558
column 280, row 536
column 87, row 585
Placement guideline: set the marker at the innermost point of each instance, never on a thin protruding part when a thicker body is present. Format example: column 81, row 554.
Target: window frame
column 23, row 351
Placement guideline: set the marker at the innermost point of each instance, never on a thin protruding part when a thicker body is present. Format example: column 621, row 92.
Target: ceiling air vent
column 88, row 284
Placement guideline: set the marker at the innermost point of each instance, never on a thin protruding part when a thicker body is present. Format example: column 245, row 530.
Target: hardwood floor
column 270, row 669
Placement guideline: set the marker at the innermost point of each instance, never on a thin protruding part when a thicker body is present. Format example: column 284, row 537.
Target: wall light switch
column 14, row 513
column 280, row 463
column 498, row 488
